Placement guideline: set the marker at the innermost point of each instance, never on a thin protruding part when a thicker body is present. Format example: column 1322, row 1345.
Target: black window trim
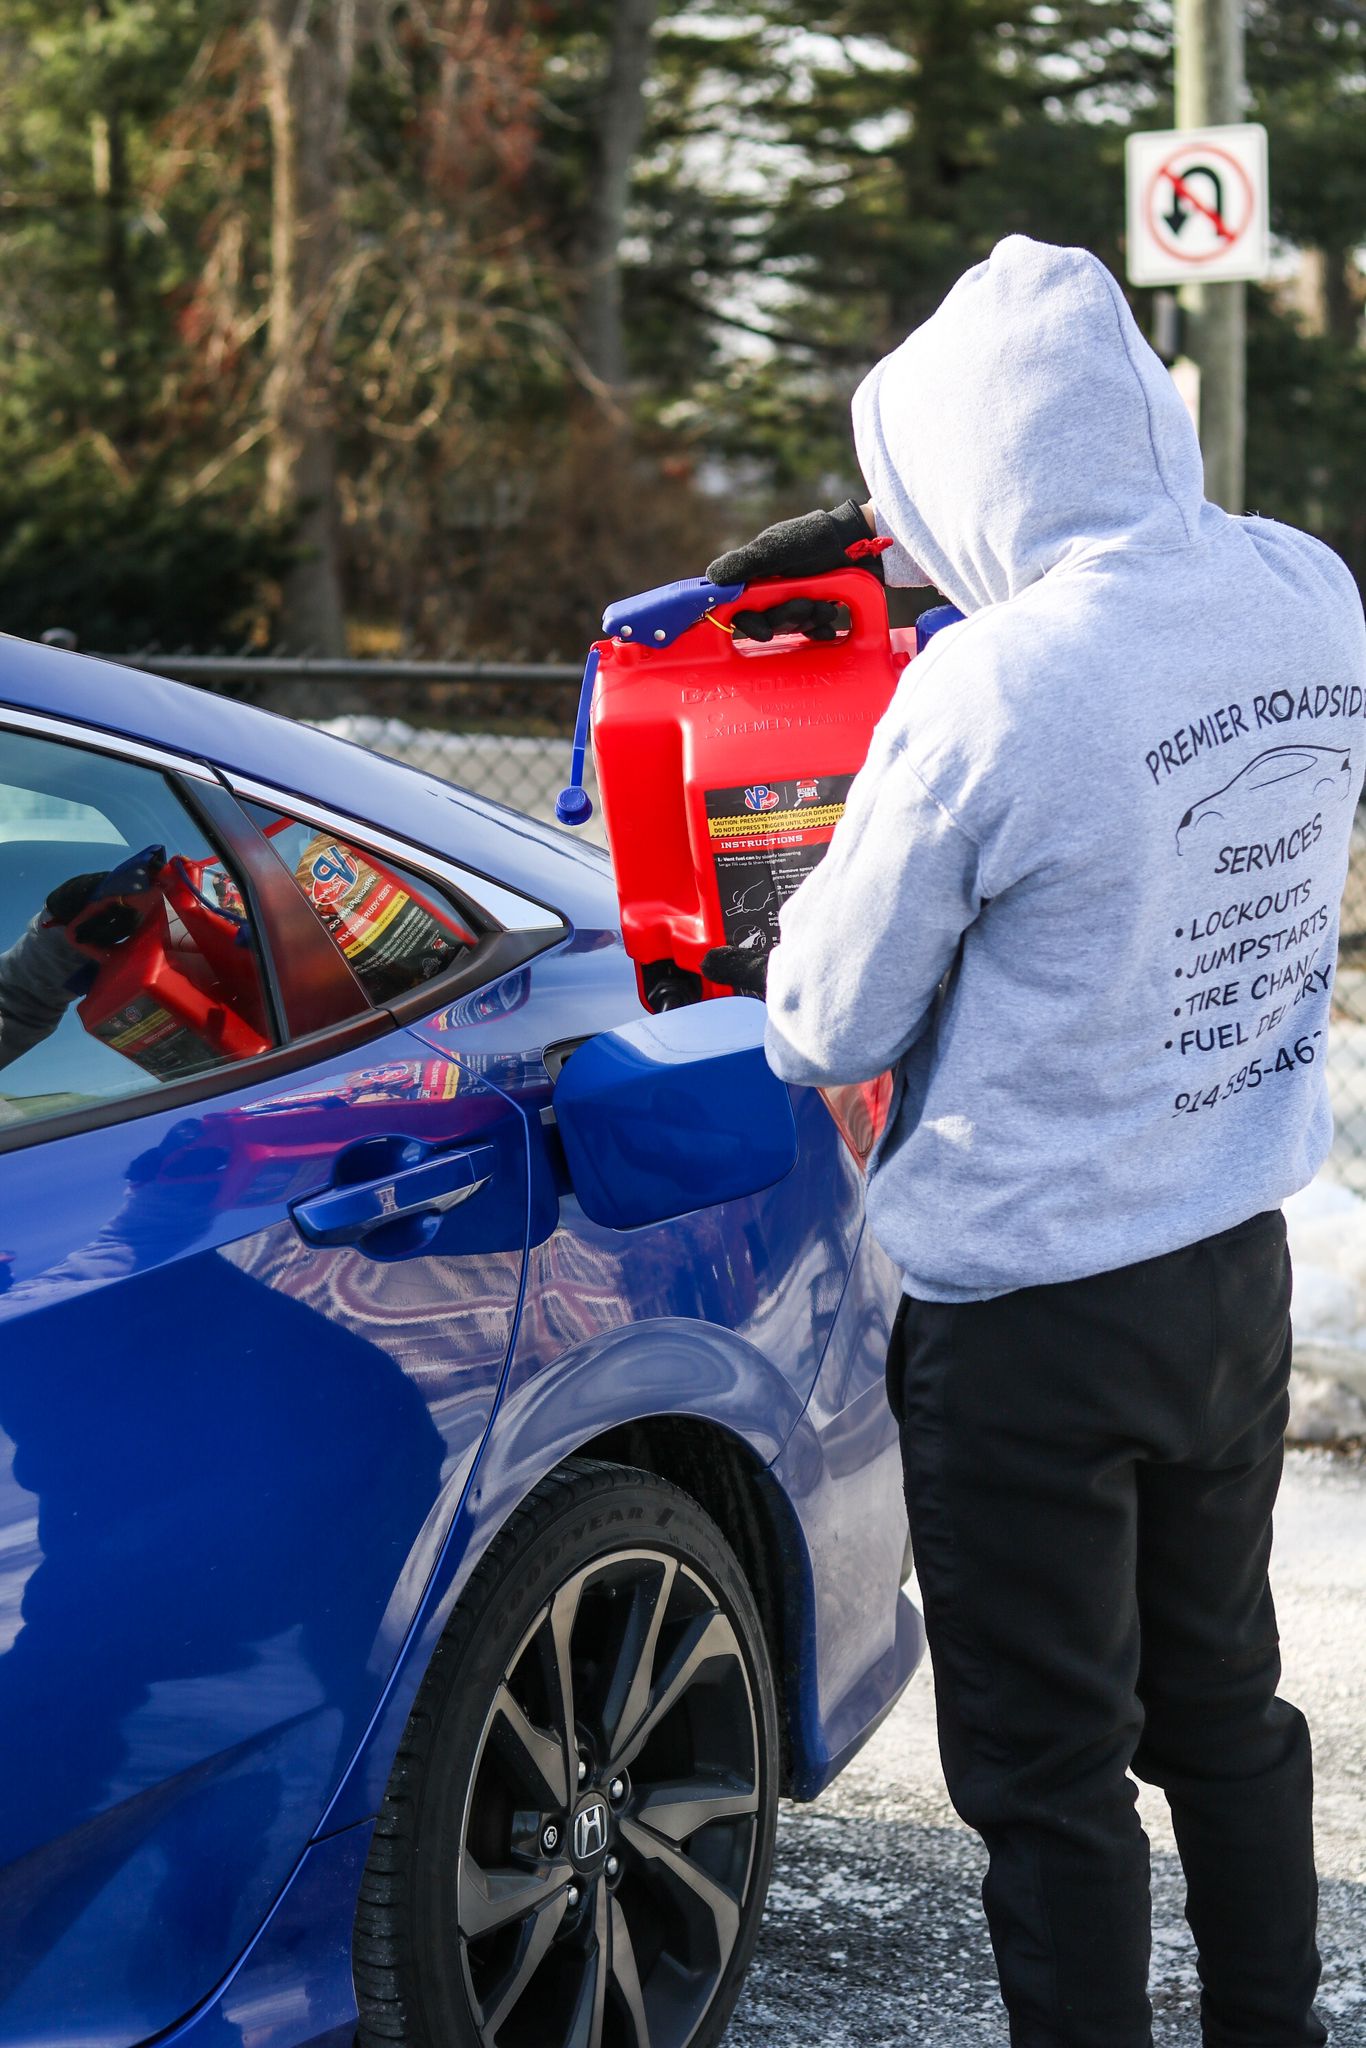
column 211, row 796
column 316, row 986
column 237, row 1075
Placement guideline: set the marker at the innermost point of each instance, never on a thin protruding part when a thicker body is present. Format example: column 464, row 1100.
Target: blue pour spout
column 654, row 618
column 573, row 805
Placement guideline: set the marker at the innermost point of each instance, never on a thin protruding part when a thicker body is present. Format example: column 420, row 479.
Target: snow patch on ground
column 1327, row 1228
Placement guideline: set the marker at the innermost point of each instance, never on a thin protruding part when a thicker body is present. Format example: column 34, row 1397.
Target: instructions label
column 145, row 1032
column 766, row 838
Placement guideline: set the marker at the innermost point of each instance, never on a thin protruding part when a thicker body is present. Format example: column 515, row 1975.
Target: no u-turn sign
column 1197, row 204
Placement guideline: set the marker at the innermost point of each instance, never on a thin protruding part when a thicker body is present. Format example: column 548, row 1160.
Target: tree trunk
column 309, row 52
column 602, row 341
column 110, row 180
column 1327, row 293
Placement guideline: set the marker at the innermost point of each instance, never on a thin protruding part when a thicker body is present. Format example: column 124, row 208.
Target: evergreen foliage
column 800, row 196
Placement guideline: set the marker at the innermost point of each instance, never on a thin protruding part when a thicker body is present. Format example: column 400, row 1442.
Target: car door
column 260, row 1258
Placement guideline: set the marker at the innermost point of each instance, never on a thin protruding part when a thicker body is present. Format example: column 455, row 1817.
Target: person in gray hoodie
column 1083, row 902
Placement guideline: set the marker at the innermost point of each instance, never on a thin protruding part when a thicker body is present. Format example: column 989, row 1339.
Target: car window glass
column 33, row 814
column 395, row 930
column 126, row 956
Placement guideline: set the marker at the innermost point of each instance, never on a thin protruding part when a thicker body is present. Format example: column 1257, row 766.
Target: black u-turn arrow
column 1179, row 213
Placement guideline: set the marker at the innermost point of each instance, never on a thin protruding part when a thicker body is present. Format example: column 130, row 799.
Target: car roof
column 487, row 837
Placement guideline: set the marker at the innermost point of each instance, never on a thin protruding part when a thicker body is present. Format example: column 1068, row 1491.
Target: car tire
column 524, row 1891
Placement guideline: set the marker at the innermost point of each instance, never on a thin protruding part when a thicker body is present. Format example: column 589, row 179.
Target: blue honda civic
column 447, row 1492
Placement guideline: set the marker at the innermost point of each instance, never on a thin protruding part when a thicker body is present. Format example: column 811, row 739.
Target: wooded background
column 431, row 326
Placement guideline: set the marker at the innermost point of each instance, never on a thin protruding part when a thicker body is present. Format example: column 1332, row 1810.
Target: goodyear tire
column 576, row 1840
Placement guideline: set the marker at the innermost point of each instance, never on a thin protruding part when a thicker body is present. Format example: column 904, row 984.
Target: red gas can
column 182, row 992
column 724, row 763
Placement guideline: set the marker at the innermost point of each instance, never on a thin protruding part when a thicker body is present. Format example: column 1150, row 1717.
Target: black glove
column 810, row 546
column 110, row 921
column 743, row 969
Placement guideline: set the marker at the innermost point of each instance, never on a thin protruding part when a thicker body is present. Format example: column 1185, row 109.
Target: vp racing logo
column 331, row 874
column 1298, row 779
column 760, row 797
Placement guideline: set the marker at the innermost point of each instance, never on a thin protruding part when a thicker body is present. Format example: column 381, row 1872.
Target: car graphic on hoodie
column 1310, row 775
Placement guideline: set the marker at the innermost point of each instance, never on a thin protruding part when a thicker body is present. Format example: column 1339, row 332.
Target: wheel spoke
column 677, row 1811
column 585, row 2022
column 709, row 1636
column 627, row 1975
column 535, row 1939
column 544, row 1754
column 671, row 1864
column 490, row 1899
column 629, row 1690
column 563, row 1608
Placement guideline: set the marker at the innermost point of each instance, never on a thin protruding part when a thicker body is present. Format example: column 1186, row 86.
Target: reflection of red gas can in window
column 184, row 991
column 724, row 763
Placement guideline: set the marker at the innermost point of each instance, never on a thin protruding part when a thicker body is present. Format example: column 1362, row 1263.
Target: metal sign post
column 1198, row 218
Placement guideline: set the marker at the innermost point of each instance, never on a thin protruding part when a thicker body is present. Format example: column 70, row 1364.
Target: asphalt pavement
column 874, row 1936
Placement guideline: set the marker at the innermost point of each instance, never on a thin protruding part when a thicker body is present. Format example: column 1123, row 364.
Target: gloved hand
column 809, row 546
column 743, row 969
column 110, row 919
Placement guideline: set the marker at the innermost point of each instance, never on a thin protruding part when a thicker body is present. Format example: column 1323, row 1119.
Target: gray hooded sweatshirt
column 1084, row 896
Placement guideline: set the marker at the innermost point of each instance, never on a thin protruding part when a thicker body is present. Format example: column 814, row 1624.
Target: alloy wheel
column 610, row 1825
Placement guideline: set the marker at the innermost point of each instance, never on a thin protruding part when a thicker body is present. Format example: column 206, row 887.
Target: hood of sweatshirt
column 1026, row 423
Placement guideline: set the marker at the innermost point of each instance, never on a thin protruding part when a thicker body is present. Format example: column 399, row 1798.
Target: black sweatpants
column 1090, row 1472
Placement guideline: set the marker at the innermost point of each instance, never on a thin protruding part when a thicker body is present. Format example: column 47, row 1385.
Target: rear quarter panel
column 724, row 1315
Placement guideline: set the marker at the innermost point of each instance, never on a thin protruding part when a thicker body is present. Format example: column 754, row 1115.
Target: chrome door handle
column 345, row 1215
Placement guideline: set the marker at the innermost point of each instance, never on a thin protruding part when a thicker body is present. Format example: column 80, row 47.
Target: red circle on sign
column 1168, row 242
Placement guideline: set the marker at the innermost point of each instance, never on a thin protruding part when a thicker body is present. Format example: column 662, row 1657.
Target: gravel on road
column 874, row 1935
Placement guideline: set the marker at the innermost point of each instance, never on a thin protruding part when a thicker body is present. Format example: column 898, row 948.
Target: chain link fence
column 521, row 769
column 504, row 730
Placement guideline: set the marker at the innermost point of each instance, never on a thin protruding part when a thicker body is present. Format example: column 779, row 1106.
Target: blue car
column 447, row 1492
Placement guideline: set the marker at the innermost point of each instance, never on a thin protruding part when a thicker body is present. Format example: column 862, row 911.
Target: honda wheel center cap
column 588, row 1836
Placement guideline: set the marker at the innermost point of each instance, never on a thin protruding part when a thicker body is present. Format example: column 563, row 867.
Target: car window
column 127, row 959
column 395, row 929
column 33, row 814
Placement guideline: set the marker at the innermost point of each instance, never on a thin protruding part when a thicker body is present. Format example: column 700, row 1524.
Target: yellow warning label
column 812, row 818
column 355, row 938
